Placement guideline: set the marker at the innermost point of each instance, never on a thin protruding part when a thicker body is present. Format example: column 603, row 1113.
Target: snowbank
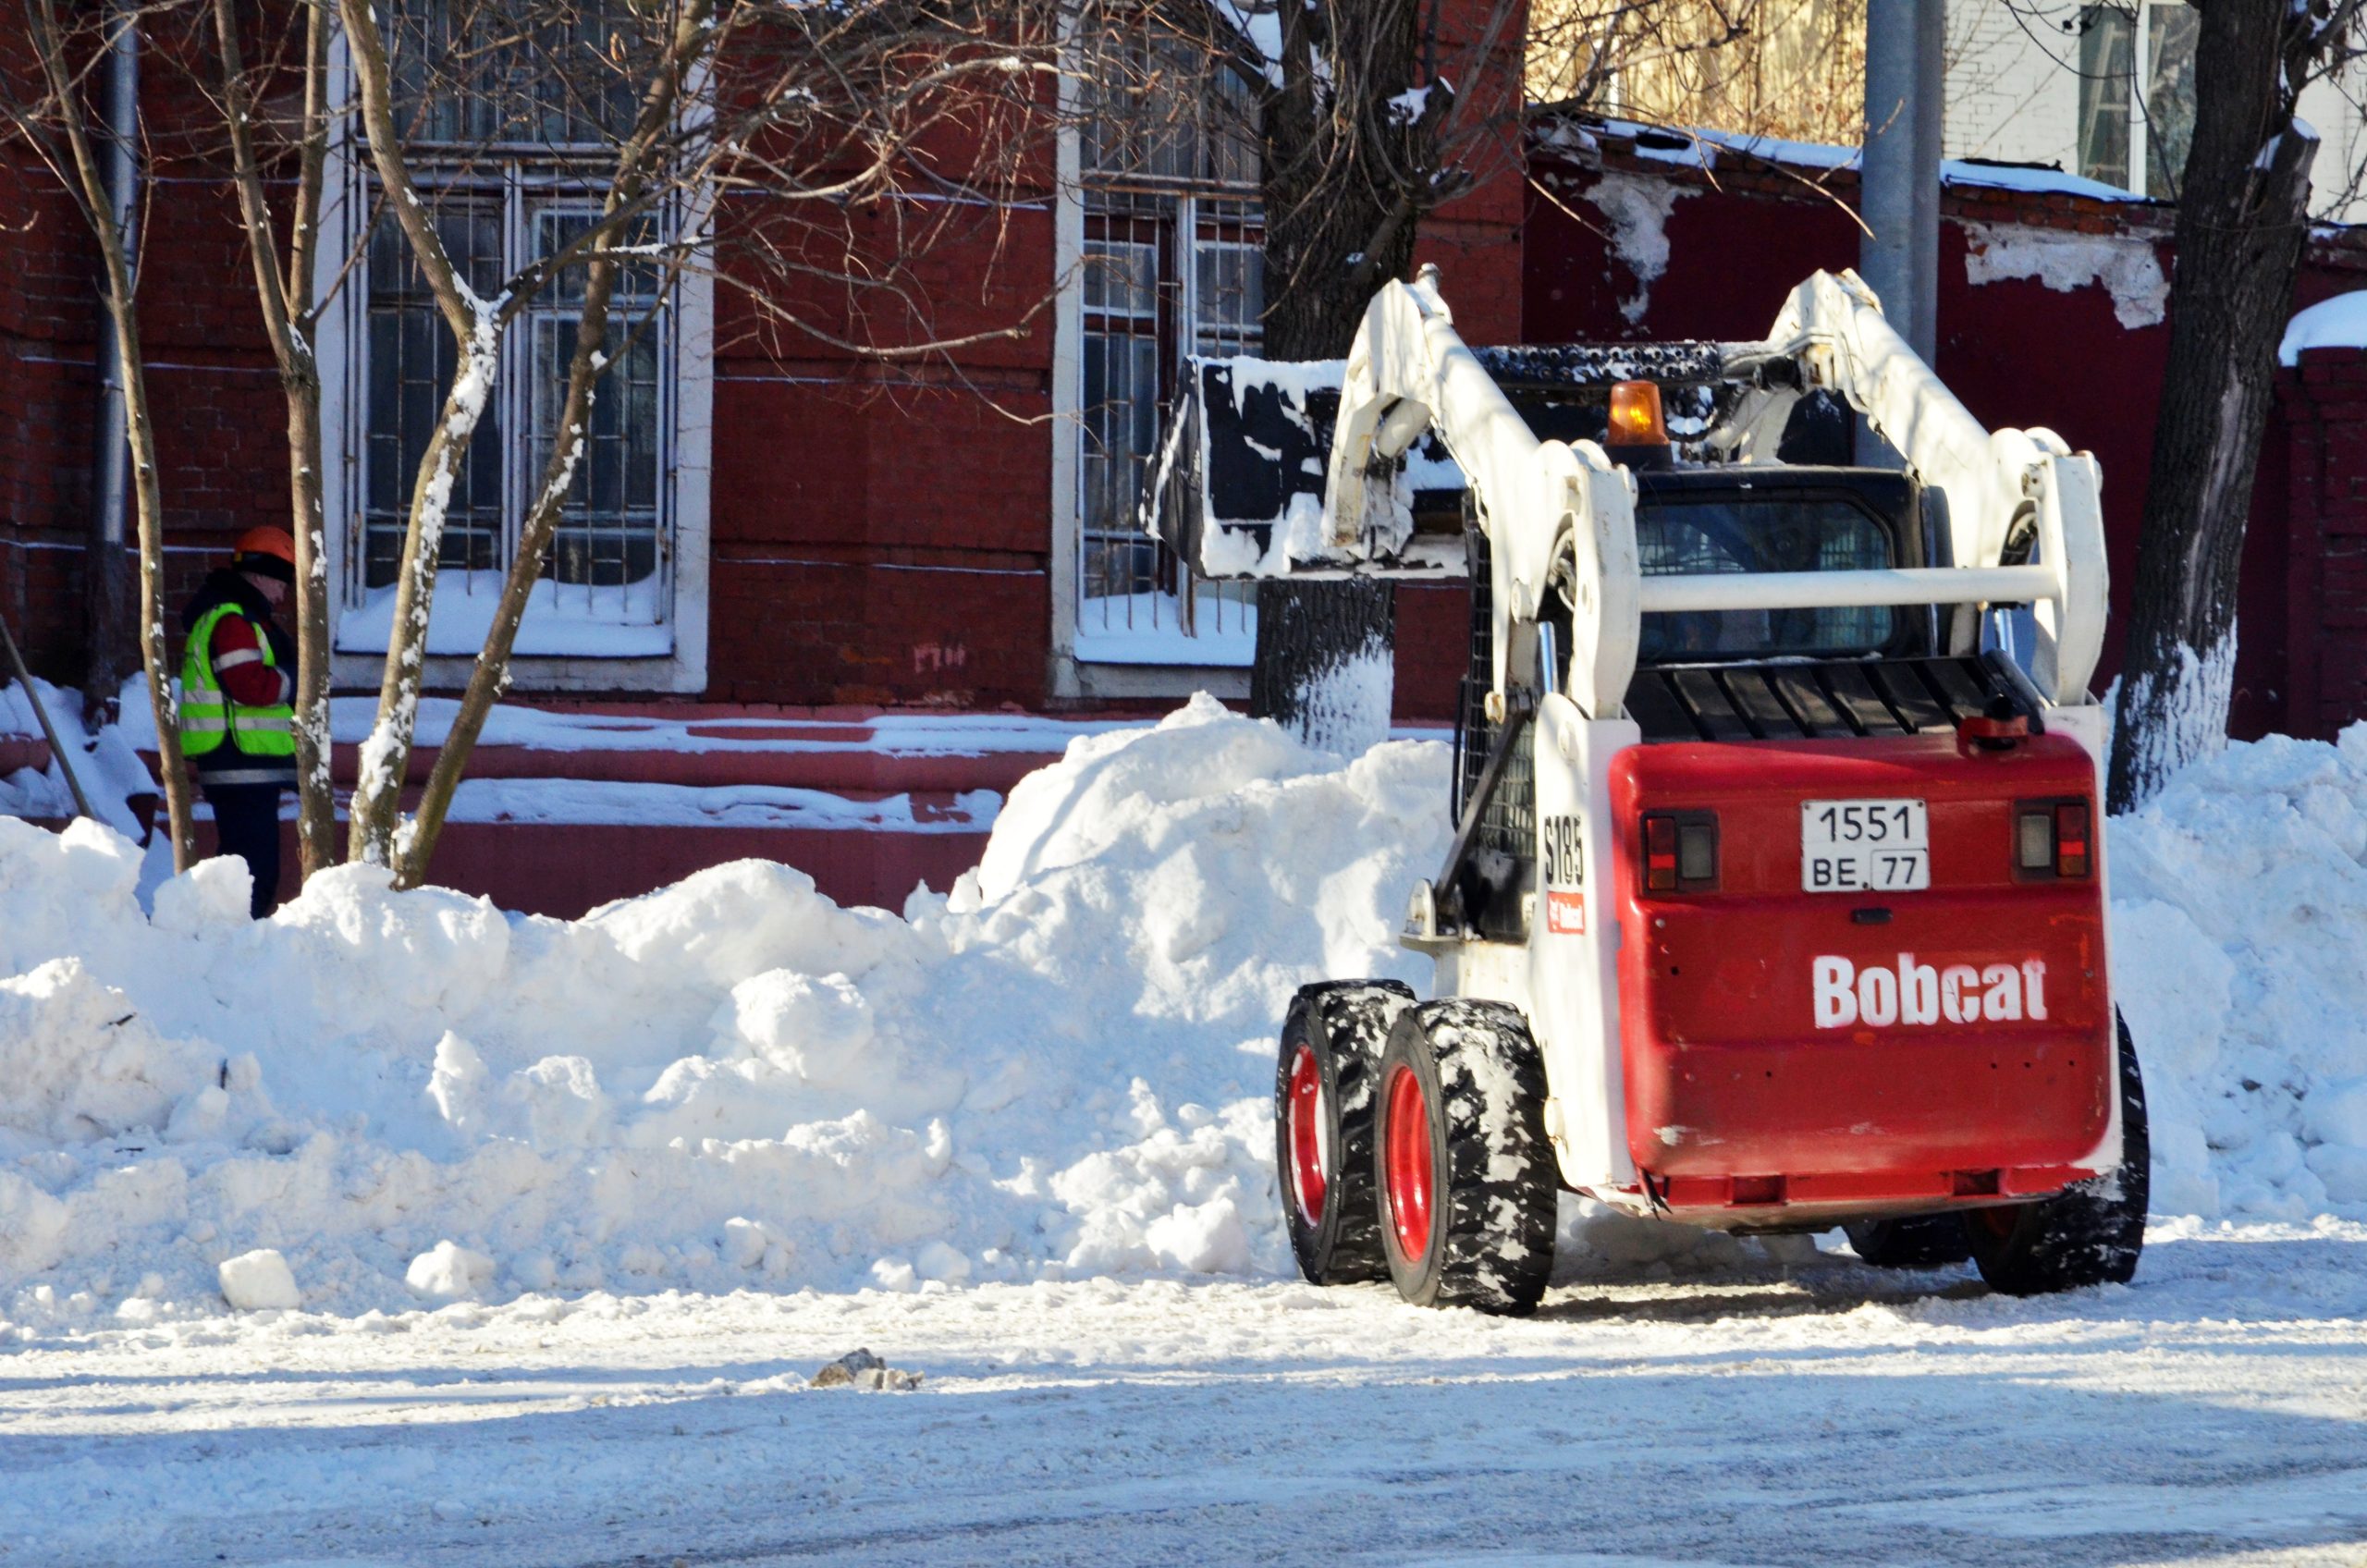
column 2240, row 960
column 107, row 767
column 1060, row 1069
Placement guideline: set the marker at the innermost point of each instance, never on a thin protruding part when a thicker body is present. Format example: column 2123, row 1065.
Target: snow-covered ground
column 1738, row 1412
column 402, row 1229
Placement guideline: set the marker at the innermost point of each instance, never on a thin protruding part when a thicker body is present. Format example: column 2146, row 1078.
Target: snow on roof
column 2339, row 323
column 1700, row 148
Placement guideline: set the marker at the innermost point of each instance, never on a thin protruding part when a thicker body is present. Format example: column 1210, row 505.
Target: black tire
column 1922, row 1241
column 2089, row 1235
column 1342, row 1027
column 1485, row 1236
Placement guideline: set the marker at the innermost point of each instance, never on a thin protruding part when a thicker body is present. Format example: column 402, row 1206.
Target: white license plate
column 1864, row 847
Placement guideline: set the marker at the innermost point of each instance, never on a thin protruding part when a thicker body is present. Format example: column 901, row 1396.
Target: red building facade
column 827, row 530
column 789, row 523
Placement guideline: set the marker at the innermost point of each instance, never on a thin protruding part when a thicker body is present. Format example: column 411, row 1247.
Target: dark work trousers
column 246, row 820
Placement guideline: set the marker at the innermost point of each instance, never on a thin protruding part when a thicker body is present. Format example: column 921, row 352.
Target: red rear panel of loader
column 1862, row 1047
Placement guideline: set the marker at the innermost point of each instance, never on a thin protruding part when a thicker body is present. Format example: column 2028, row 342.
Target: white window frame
column 2140, row 13
column 686, row 450
column 1080, row 668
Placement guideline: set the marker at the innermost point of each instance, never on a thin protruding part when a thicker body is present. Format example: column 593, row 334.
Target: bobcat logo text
column 1913, row 993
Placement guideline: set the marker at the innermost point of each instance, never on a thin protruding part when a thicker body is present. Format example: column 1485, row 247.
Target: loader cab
column 1755, row 519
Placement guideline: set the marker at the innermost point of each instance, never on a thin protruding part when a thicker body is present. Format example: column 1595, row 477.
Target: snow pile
column 1065, row 1067
column 2239, row 960
column 109, row 770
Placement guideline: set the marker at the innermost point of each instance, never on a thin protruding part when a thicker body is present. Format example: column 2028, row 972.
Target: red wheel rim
column 1407, row 1163
column 1305, row 1112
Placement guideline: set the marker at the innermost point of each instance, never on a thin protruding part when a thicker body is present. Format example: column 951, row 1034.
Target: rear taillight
column 2051, row 840
column 2071, row 839
column 1659, row 855
column 1680, row 852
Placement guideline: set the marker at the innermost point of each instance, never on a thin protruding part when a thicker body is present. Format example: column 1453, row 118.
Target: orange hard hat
column 275, row 542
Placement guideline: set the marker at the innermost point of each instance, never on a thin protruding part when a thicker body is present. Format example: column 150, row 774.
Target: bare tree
column 285, row 289
column 642, row 165
column 52, row 121
column 1357, row 119
column 2243, row 215
column 824, row 126
column 477, row 323
column 1789, row 69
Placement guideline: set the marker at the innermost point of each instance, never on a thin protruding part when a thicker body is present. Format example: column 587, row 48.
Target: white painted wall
column 2013, row 88
column 2013, row 94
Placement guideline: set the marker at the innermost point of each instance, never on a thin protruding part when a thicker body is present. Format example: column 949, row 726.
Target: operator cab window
column 1685, row 526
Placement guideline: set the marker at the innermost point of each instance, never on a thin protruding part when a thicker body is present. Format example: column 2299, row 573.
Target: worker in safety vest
column 238, row 690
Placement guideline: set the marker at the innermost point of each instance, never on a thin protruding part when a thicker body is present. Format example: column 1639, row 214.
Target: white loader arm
column 1410, row 372
column 1997, row 482
column 1560, row 516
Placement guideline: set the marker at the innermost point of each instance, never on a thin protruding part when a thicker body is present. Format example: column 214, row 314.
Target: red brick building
column 2052, row 311
column 785, row 525
column 774, row 521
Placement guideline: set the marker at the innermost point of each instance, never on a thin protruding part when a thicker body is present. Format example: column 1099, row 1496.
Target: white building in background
column 2107, row 91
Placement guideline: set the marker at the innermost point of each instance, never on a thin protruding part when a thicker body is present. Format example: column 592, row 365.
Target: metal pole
column 49, row 731
column 1899, row 196
column 107, row 586
column 121, row 170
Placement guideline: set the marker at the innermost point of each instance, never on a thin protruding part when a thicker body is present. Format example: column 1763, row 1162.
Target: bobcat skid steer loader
column 1775, row 902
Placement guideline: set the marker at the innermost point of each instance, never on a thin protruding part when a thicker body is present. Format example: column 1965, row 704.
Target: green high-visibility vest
column 208, row 715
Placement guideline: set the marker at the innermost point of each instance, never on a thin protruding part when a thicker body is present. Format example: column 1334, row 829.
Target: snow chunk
column 258, row 1282
column 448, row 1271
column 1639, row 211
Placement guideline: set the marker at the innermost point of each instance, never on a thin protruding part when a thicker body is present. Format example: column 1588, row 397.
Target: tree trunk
column 1343, row 178
column 2242, row 218
column 1326, row 655
column 490, row 677
column 1343, row 175
column 288, row 313
column 635, row 171
column 477, row 325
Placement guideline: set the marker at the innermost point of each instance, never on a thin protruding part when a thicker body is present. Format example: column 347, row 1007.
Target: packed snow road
column 1746, row 1411
column 541, row 1227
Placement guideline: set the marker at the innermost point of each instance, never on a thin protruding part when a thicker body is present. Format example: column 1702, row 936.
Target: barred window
column 1173, row 266
column 512, row 151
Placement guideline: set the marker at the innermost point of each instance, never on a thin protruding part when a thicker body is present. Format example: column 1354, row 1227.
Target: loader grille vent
column 1507, row 836
column 1599, row 364
column 1808, row 701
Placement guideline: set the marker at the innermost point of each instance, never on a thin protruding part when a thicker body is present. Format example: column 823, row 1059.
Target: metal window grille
column 467, row 75
column 609, row 534
column 611, row 555
column 1173, row 266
